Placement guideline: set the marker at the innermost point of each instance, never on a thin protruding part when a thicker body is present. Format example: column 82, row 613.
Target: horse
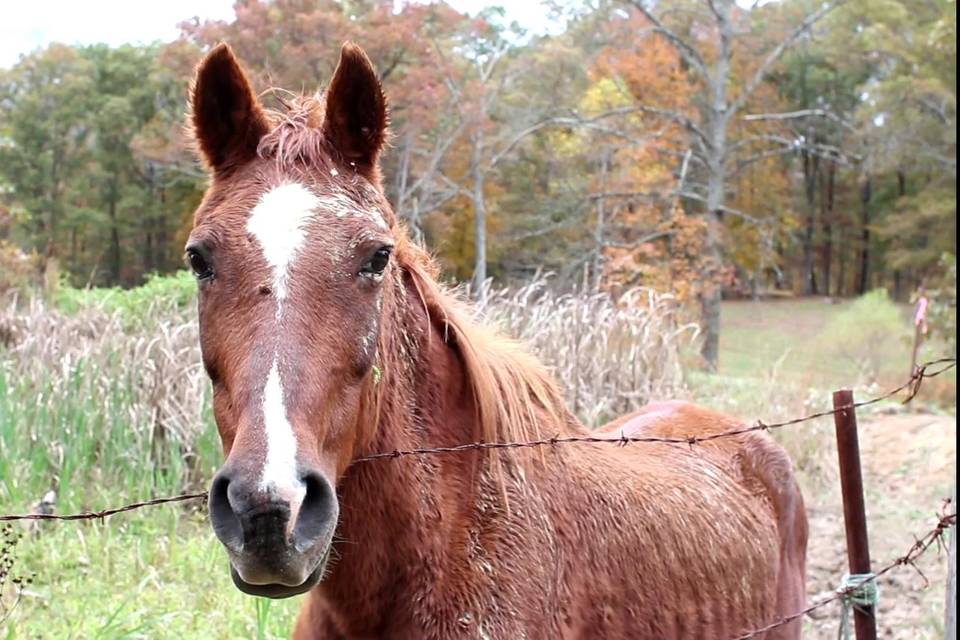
column 328, row 339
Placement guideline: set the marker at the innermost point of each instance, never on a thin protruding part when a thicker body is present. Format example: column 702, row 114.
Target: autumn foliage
column 586, row 153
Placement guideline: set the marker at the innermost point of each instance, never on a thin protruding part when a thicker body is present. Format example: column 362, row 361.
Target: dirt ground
column 909, row 466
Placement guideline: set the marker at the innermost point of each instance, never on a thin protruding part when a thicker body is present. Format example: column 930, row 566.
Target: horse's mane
column 515, row 396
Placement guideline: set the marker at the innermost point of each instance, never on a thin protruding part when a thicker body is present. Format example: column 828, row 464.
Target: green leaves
column 70, row 119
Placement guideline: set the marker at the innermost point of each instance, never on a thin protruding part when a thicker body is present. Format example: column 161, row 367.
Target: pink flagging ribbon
column 921, row 317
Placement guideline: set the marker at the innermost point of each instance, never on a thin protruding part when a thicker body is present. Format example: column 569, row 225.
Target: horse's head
column 291, row 247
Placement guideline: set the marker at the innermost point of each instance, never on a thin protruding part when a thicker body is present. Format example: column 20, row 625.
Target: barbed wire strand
column 920, row 545
column 100, row 515
column 912, row 385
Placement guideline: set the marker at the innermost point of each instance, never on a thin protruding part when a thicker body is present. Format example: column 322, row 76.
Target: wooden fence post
column 854, row 512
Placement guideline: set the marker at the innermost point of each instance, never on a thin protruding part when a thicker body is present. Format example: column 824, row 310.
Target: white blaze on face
column 278, row 222
column 280, row 465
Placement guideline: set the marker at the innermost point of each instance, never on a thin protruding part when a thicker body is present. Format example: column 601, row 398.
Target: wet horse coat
column 328, row 338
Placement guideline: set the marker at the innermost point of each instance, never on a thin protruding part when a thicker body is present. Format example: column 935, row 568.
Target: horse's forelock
column 296, row 137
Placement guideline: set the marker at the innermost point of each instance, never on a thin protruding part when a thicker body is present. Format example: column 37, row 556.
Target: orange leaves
column 648, row 69
column 647, row 238
column 670, row 263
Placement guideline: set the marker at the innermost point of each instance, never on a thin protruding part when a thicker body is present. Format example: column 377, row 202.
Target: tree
column 89, row 197
column 44, row 100
column 494, row 119
column 706, row 39
column 908, row 126
column 689, row 145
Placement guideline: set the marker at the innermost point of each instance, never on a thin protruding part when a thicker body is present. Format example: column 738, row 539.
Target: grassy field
column 781, row 358
column 104, row 432
column 788, row 337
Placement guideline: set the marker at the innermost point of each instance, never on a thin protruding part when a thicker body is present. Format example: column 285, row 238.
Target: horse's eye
column 199, row 265
column 373, row 268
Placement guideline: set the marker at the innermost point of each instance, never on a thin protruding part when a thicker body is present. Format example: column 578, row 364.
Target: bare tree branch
column 777, row 52
column 517, row 139
column 590, row 123
column 800, row 144
column 670, row 115
column 685, row 49
column 646, row 195
column 829, row 153
column 650, row 237
column 723, row 209
column 802, row 113
column 713, row 10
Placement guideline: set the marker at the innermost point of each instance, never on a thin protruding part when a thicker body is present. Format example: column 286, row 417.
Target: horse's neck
column 398, row 513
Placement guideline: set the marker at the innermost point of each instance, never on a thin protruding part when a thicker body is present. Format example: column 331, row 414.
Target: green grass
column 88, row 447
column 756, row 335
column 804, row 346
column 177, row 290
column 156, row 574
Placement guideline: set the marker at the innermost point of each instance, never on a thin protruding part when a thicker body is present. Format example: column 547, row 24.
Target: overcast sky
column 31, row 24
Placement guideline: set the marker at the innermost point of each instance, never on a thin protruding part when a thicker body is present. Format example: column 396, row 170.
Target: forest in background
column 696, row 147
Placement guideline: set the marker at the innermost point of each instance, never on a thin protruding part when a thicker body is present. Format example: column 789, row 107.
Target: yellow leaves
column 565, row 143
column 652, row 241
column 604, row 94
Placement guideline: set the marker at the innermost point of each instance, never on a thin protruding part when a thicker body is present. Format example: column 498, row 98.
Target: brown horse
column 327, row 338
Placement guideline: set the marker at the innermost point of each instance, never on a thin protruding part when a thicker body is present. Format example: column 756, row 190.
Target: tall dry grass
column 111, row 397
column 610, row 356
column 91, row 403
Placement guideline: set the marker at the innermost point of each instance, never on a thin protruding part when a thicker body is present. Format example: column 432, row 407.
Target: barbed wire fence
column 935, row 536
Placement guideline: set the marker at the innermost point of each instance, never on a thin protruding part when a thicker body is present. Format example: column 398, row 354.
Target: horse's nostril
column 317, row 513
column 225, row 522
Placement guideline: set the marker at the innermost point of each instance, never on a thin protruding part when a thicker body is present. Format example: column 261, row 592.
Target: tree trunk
column 52, row 215
column 712, row 294
column 897, row 273
column 409, row 212
column 598, row 232
column 163, row 241
column 717, row 121
column 74, row 254
column 827, row 221
column 810, row 173
column 842, row 263
column 866, row 195
column 114, row 234
column 151, row 220
column 480, row 216
column 415, row 222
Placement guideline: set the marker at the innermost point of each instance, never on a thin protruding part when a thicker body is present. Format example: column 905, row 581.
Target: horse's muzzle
column 278, row 541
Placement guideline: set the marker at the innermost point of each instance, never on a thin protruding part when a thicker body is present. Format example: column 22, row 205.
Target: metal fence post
column 854, row 512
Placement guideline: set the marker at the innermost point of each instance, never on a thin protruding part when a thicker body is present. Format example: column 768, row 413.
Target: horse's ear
column 356, row 112
column 228, row 120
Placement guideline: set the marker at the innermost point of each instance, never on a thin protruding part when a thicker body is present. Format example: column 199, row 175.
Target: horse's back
column 756, row 462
